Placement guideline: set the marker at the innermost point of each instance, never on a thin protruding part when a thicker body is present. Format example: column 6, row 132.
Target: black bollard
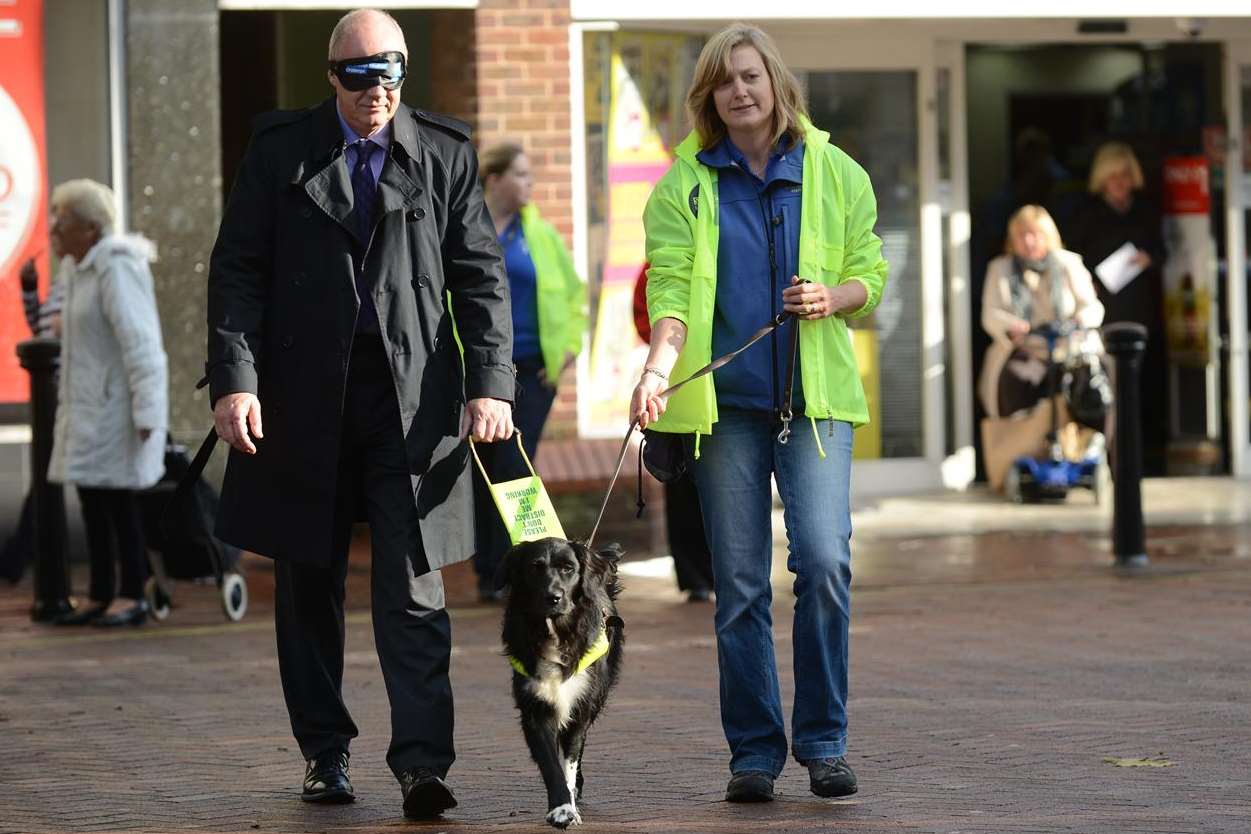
column 1127, row 341
column 41, row 357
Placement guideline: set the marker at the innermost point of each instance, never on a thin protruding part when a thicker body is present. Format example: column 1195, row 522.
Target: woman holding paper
column 1036, row 282
column 1117, row 233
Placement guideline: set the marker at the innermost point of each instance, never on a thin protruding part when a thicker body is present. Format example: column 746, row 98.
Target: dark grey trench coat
column 282, row 307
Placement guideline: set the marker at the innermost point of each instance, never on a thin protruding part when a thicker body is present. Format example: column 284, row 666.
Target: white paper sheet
column 1119, row 268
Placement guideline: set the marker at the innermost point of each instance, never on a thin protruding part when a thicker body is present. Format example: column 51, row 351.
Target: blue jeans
column 732, row 474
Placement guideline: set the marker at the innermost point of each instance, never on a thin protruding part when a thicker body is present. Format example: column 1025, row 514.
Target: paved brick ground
column 991, row 677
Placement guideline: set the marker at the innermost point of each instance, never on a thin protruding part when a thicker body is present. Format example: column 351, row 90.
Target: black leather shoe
column 82, row 615
column 831, row 778
column 750, row 786
column 326, row 779
column 425, row 794
column 136, row 614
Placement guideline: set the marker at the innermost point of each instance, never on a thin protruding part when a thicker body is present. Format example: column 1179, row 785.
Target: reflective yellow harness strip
column 597, row 650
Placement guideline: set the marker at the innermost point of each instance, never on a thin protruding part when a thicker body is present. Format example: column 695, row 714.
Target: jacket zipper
column 765, row 216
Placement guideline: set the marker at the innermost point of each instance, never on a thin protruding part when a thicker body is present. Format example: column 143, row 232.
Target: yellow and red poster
column 1189, row 271
column 23, row 220
column 649, row 74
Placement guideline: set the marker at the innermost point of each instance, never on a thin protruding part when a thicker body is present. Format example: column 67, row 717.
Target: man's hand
column 234, row 415
column 488, row 420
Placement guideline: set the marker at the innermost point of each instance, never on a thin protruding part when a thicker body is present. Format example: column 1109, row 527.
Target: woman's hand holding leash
column 648, row 401
column 648, row 404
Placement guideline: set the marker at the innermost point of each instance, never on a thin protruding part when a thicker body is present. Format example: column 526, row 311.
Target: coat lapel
column 330, row 187
column 397, row 190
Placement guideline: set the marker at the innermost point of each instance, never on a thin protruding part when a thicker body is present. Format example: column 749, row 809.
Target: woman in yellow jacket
column 549, row 320
column 761, row 214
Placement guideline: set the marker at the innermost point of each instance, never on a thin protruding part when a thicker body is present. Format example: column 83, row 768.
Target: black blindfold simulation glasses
column 356, row 74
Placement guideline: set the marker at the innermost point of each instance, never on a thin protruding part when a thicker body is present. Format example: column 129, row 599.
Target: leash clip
column 785, row 434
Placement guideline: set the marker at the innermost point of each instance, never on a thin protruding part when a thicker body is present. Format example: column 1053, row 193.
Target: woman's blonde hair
column 713, row 69
column 497, row 159
column 89, row 201
column 1040, row 217
column 1111, row 159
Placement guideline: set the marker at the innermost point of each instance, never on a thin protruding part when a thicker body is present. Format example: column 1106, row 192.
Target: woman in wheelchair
column 1037, row 282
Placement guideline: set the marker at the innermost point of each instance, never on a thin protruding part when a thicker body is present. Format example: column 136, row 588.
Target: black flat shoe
column 326, row 779
column 831, row 778
column 81, row 615
column 750, row 786
column 136, row 614
column 425, row 795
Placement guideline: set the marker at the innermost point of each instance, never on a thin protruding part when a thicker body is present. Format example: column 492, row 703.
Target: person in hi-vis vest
column 549, row 319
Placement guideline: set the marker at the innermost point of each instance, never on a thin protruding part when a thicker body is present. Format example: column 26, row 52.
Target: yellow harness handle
column 520, row 447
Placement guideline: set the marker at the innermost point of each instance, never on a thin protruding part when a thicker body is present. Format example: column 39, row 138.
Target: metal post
column 1126, row 342
column 41, row 358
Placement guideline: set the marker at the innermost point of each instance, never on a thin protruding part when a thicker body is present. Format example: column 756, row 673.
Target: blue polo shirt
column 523, row 288
column 755, row 215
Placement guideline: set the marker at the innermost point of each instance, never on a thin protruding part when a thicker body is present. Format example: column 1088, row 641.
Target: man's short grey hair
column 353, row 19
column 90, row 201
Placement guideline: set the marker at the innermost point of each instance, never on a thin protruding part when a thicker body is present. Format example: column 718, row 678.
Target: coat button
column 298, row 279
column 417, row 213
column 306, row 212
column 288, row 341
column 423, row 280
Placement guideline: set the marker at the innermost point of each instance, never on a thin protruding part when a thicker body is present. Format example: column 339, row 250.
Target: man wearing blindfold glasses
column 349, row 226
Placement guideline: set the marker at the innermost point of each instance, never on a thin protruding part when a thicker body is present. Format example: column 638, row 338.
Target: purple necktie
column 364, row 192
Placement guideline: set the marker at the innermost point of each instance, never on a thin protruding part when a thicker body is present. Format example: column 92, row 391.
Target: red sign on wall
column 1186, row 185
column 23, row 178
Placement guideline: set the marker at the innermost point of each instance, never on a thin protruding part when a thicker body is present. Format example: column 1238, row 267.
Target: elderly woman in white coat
column 1036, row 282
column 112, row 416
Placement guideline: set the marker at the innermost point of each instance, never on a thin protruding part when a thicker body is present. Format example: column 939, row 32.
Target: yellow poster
column 648, row 78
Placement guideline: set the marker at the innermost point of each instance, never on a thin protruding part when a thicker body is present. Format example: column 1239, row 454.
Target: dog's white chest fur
column 548, row 683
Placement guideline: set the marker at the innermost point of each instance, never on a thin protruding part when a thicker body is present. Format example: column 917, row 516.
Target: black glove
column 29, row 276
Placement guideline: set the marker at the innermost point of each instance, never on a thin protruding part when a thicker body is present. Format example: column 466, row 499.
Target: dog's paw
column 563, row 816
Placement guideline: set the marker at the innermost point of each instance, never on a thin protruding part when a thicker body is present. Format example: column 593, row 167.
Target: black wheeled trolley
column 178, row 515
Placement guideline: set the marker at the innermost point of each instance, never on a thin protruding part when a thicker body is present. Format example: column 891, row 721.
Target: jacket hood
column 814, row 138
column 128, row 246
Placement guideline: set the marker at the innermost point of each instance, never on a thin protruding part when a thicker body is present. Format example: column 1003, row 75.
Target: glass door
column 877, row 96
column 872, row 115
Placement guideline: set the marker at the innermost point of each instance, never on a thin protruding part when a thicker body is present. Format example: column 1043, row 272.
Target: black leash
column 719, row 362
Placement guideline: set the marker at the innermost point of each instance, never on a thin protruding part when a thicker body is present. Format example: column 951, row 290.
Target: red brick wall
column 453, row 73
column 523, row 96
column 523, row 93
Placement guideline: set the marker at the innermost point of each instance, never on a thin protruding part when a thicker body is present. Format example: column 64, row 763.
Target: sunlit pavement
column 1004, row 674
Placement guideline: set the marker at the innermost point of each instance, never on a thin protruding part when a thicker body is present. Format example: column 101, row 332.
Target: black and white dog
column 563, row 638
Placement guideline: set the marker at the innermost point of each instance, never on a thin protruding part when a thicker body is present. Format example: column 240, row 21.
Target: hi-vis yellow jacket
column 561, row 293
column 836, row 244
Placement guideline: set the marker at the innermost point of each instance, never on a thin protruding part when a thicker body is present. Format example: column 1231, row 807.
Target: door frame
column 1237, row 60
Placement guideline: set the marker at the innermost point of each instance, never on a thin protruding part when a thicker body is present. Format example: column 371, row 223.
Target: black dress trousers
column 412, row 631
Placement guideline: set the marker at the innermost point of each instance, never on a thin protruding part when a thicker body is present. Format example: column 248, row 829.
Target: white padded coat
column 114, row 380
